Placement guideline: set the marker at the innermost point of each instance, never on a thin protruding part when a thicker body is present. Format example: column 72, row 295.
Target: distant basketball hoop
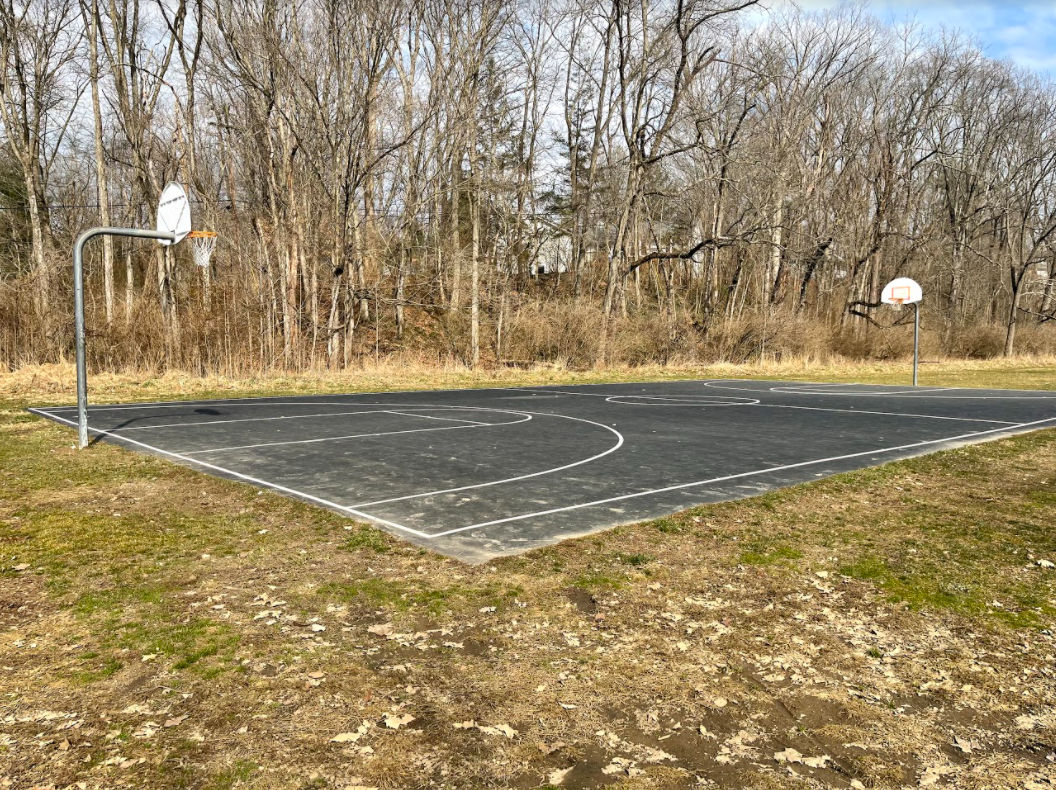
column 901, row 291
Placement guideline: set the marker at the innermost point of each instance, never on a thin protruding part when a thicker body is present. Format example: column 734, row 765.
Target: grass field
column 887, row 628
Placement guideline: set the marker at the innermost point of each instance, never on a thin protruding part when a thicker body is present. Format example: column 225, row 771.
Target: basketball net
column 203, row 242
column 898, row 297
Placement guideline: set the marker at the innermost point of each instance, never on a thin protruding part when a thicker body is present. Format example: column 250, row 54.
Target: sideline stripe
column 718, row 400
column 356, row 436
column 886, row 413
column 251, row 401
column 249, row 419
column 917, row 394
column 448, row 419
column 813, row 389
column 756, row 402
column 724, row 478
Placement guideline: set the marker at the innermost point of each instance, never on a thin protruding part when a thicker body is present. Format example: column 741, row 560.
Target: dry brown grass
column 55, row 382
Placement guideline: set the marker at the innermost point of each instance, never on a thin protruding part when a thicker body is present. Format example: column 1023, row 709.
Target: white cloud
column 1023, row 32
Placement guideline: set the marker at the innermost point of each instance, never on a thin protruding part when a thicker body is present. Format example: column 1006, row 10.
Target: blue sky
column 1023, row 31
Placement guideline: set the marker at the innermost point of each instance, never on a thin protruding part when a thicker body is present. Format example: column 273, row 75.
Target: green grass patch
column 600, row 580
column 760, row 553
column 668, row 526
column 368, row 539
column 636, row 560
column 94, row 668
column 968, row 590
column 225, row 779
column 374, row 591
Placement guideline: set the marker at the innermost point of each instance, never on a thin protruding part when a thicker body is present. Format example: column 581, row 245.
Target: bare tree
column 39, row 43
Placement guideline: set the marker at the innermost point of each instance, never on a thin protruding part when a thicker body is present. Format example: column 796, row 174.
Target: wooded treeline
column 585, row 180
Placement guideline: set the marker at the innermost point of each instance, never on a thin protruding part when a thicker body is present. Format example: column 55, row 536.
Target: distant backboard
column 174, row 213
column 900, row 291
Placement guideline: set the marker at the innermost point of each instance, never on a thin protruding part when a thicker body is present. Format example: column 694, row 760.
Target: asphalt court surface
column 479, row 473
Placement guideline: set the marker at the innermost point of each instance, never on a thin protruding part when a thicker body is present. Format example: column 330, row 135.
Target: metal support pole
column 916, row 339
column 78, row 313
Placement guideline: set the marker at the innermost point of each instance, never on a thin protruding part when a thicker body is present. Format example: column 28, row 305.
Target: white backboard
column 174, row 212
column 901, row 290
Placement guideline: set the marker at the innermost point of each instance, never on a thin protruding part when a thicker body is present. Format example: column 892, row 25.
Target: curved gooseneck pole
column 78, row 312
column 916, row 340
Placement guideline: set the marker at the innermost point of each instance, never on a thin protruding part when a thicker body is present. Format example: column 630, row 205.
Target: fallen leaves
column 558, row 777
column 394, row 721
column 790, row 755
column 499, row 729
column 354, row 736
column 622, row 766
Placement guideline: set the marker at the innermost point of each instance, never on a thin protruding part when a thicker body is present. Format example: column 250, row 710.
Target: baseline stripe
column 249, row 419
column 886, row 413
column 356, row 436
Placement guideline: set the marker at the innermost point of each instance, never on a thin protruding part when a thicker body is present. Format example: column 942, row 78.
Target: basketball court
column 480, row 473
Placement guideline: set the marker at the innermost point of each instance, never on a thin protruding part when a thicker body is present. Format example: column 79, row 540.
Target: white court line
column 720, row 400
column 614, row 448
column 741, row 475
column 274, row 399
column 404, row 406
column 829, row 384
column 249, row 479
column 813, row 389
column 686, row 400
column 230, row 402
column 249, row 419
column 289, row 416
column 918, row 394
column 448, row 419
column 250, row 401
column 356, row 435
column 885, row 413
column 756, row 402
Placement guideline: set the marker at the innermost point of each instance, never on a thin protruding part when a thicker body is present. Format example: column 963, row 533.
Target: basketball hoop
column 901, row 291
column 203, row 242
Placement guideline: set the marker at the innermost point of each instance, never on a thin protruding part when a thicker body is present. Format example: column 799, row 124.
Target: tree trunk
column 1013, row 310
column 773, row 269
column 456, row 252
column 474, row 283
column 401, row 275
column 102, row 190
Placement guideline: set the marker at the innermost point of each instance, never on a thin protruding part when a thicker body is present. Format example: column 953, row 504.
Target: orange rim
column 201, row 234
